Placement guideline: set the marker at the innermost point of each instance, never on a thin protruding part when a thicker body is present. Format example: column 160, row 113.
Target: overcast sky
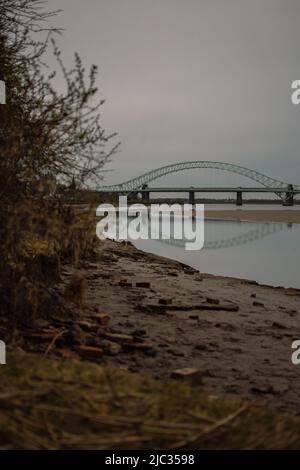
column 193, row 79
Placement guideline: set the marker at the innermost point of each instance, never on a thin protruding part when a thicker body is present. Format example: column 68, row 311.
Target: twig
column 58, row 335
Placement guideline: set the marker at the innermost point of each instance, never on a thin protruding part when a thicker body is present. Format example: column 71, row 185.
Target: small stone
column 90, row 351
column 262, row 390
column 194, row 316
column 189, row 374
column 125, row 283
column 119, row 338
column 209, row 300
column 144, row 284
column 165, row 301
column 101, row 318
column 112, row 348
column 253, row 296
column 86, row 325
column 279, row 325
column 139, row 332
column 258, row 304
column 201, row 347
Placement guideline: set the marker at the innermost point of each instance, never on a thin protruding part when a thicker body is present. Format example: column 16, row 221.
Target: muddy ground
column 152, row 315
column 236, row 334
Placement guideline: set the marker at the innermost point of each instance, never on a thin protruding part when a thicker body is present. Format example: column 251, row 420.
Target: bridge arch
column 138, row 182
column 254, row 234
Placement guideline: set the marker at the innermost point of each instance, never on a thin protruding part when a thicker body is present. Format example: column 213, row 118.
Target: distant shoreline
column 290, row 217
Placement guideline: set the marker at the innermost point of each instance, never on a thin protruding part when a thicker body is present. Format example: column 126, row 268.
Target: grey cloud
column 193, row 79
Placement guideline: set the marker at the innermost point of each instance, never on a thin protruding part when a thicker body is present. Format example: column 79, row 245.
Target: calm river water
column 262, row 251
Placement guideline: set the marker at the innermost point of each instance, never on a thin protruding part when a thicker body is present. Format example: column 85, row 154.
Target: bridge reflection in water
column 265, row 252
column 260, row 231
column 243, row 232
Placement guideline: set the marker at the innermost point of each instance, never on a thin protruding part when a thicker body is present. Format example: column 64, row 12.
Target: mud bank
column 158, row 316
column 151, row 315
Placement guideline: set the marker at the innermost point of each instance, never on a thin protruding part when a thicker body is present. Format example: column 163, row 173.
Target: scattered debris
column 119, row 338
column 144, row 284
column 89, row 351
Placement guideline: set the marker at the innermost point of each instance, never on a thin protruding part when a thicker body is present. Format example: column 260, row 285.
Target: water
column 266, row 252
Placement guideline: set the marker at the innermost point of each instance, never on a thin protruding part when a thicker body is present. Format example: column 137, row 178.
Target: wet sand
column 288, row 216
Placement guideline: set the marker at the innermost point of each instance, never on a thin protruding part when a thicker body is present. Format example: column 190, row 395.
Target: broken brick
column 89, row 351
column 189, row 374
column 101, row 318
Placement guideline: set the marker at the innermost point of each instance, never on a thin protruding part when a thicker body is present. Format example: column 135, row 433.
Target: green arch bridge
column 285, row 191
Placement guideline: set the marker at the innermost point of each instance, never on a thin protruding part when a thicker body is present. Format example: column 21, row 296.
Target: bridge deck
column 206, row 190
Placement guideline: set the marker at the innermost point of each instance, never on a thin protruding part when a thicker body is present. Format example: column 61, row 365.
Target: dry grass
column 48, row 404
column 37, row 237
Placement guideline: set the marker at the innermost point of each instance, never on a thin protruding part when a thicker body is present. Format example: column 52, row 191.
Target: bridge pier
column 289, row 196
column 192, row 197
column 239, row 198
column 146, row 196
column 289, row 199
